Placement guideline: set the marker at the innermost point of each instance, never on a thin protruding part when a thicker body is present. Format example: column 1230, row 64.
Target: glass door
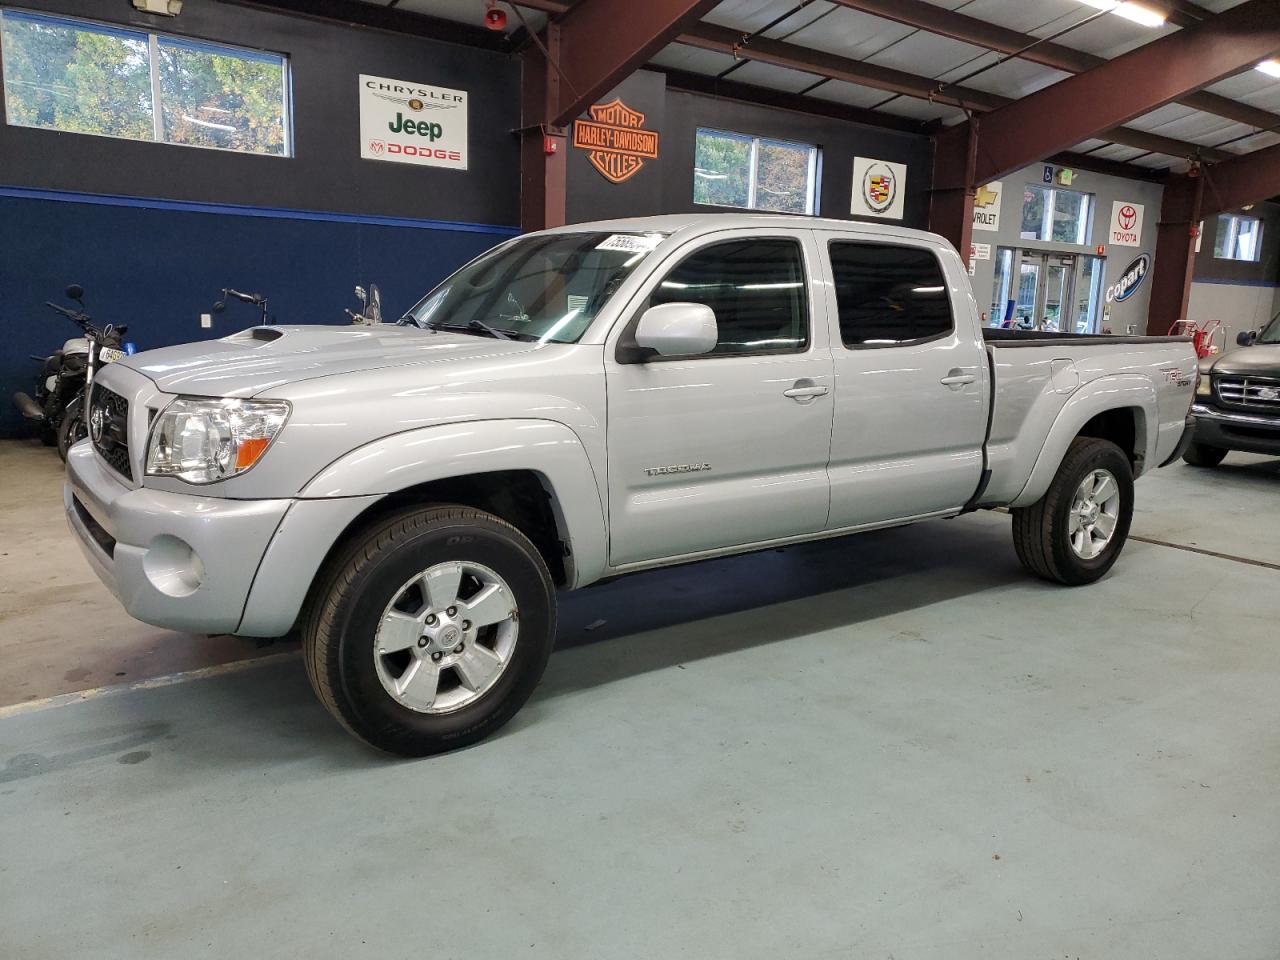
column 1059, row 278
column 1089, row 284
column 1030, row 268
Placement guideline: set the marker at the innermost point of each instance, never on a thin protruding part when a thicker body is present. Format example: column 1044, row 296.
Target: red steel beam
column 979, row 33
column 1248, row 178
column 603, row 41
column 1188, row 201
column 1088, row 104
column 708, row 36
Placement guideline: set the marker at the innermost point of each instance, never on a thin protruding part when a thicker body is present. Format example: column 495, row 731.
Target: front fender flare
column 1098, row 396
column 546, row 447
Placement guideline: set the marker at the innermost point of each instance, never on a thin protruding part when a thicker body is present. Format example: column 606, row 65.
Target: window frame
column 813, row 177
column 627, row 351
column 153, row 40
column 838, row 329
column 1233, row 231
column 1084, row 234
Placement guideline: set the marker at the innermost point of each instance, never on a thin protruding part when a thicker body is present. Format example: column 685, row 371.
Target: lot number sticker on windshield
column 630, row 243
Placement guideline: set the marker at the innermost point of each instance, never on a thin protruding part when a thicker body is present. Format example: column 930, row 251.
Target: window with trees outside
column 754, row 173
column 82, row 77
column 1239, row 238
column 1056, row 216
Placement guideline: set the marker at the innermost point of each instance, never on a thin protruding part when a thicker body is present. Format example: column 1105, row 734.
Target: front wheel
column 1075, row 532
column 72, row 429
column 430, row 630
column 1203, row 455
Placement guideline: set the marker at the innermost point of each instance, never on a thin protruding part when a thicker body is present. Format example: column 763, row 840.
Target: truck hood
column 1260, row 360
column 255, row 360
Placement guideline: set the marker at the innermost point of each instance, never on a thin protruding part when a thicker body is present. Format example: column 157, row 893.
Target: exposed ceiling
column 947, row 69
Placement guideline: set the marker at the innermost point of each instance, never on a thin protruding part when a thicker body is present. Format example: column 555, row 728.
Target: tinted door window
column 756, row 288
column 888, row 295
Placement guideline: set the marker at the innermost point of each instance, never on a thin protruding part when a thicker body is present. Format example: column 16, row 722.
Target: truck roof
column 706, row 222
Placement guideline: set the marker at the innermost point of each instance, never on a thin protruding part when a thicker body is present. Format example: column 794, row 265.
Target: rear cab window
column 889, row 295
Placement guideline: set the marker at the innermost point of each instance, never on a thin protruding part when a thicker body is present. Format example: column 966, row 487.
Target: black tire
column 355, row 588
column 1203, row 455
column 1041, row 532
column 72, row 429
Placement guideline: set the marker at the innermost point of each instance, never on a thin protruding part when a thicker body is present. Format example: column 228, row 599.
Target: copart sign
column 1129, row 281
column 408, row 122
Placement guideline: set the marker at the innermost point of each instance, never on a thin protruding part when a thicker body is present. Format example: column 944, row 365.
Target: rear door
column 911, row 380
column 730, row 447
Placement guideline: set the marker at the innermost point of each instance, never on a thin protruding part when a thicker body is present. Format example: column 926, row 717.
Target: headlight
column 1204, row 385
column 203, row 441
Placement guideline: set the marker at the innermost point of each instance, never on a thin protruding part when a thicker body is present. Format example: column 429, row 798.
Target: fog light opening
column 173, row 567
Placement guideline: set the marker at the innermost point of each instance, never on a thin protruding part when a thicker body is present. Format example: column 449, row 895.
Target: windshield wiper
column 477, row 326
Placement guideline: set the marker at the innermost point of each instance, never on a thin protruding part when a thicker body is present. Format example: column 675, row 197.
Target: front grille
column 109, row 429
column 1260, row 393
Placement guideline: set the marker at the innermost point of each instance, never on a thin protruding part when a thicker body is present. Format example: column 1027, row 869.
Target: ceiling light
column 1138, row 12
column 1270, row 67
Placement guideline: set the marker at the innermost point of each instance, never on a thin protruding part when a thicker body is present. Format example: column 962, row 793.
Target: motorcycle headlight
column 200, row 440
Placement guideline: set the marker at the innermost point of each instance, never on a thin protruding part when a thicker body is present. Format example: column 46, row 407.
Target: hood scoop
column 255, row 335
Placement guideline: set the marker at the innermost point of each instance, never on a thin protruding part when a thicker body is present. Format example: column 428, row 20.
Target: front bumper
column 174, row 560
column 1230, row 430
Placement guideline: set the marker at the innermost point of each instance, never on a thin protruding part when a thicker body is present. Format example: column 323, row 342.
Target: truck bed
column 1006, row 337
column 1036, row 374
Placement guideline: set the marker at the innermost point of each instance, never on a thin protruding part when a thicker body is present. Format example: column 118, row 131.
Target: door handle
column 958, row 378
column 806, row 390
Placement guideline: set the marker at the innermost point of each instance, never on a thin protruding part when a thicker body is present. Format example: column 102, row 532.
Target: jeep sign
column 412, row 123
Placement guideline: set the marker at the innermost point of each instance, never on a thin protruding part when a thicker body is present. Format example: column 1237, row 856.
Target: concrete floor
column 895, row 745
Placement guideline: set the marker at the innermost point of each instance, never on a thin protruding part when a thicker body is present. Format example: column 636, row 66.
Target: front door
column 911, row 382
column 730, row 447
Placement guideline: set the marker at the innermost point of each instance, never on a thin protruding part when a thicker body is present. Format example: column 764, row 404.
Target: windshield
column 546, row 288
column 1271, row 332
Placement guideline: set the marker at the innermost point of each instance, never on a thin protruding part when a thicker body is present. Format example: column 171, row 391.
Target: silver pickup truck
column 582, row 403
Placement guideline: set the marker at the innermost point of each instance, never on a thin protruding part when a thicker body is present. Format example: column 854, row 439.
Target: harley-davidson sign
column 617, row 145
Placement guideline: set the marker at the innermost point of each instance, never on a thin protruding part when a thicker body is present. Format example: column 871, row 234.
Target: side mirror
column 1245, row 338
column 75, row 292
column 678, row 329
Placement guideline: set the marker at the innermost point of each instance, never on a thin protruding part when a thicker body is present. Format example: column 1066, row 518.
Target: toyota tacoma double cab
column 586, row 402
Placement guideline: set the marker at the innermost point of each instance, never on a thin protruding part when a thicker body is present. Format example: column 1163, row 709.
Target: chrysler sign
column 412, row 123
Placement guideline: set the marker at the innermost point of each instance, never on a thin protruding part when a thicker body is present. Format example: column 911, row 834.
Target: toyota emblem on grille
column 1268, row 393
column 97, row 421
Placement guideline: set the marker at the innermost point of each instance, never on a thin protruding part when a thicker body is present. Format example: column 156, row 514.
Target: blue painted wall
column 158, row 266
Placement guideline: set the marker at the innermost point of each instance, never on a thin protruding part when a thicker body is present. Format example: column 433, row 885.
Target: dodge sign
column 412, row 123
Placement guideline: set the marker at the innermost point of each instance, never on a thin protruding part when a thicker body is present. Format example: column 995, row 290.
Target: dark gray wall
column 326, row 172
column 665, row 185
column 1209, row 268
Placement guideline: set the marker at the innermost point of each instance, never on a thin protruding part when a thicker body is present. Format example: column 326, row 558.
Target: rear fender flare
column 1097, row 396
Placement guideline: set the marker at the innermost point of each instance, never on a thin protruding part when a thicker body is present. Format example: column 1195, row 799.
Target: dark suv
column 1237, row 404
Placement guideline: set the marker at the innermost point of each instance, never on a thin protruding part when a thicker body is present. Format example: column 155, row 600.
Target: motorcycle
column 257, row 299
column 62, row 388
column 370, row 307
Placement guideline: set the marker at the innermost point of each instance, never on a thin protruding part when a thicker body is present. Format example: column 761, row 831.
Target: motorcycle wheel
column 72, row 429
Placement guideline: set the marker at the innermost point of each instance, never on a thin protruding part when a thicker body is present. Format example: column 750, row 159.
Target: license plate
column 110, row 354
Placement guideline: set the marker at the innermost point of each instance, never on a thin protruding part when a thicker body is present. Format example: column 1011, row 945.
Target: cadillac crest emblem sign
column 616, row 141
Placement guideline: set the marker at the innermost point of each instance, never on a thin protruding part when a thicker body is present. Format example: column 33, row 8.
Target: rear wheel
column 1203, row 455
column 430, row 630
column 1075, row 532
